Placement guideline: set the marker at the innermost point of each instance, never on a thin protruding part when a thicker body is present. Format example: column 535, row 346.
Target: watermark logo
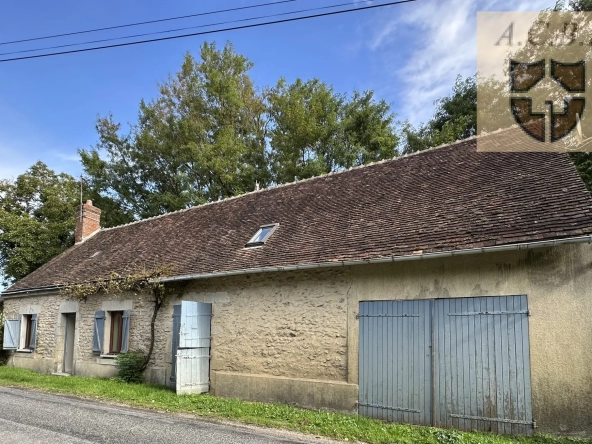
column 532, row 85
column 524, row 76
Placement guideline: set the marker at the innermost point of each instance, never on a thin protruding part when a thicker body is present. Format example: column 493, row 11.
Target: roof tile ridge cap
column 289, row 184
column 262, row 190
column 497, row 131
column 158, row 216
column 437, row 147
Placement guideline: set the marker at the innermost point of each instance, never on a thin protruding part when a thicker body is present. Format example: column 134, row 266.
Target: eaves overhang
column 378, row 260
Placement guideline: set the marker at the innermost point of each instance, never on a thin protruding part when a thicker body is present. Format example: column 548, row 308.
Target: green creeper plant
column 141, row 281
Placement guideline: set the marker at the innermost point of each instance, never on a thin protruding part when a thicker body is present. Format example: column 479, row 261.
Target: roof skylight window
column 265, row 231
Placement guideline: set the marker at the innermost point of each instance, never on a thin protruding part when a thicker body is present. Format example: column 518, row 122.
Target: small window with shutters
column 20, row 334
column 26, row 337
column 116, row 332
column 111, row 332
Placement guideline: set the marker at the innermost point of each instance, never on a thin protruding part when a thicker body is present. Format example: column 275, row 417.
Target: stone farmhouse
column 449, row 287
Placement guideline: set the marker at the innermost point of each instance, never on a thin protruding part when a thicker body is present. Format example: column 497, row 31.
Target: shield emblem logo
column 532, row 82
column 524, row 76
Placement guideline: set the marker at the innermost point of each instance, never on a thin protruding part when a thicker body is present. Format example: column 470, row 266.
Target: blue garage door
column 462, row 363
column 395, row 361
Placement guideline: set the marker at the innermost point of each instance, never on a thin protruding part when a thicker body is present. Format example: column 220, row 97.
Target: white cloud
column 441, row 36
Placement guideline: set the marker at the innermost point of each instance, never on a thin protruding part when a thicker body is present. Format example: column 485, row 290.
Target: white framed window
column 26, row 332
column 111, row 332
column 262, row 235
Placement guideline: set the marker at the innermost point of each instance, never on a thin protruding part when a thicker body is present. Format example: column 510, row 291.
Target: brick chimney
column 88, row 221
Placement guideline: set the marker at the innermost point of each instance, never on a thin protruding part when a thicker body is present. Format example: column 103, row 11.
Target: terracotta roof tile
column 442, row 199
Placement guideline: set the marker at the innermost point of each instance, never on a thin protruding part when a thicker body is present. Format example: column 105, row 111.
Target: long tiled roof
column 443, row 199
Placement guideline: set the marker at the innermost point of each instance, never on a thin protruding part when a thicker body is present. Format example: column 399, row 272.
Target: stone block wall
column 48, row 353
column 48, row 309
column 281, row 324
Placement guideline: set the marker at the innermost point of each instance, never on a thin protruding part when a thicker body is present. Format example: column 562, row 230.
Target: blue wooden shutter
column 11, row 334
column 195, row 324
column 99, row 332
column 125, row 331
column 176, row 333
column 192, row 371
column 34, row 318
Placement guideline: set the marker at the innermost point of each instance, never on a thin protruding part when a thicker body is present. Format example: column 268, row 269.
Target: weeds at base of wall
column 448, row 437
column 130, row 366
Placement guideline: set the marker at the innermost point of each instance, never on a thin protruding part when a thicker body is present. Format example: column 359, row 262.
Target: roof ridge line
column 287, row 184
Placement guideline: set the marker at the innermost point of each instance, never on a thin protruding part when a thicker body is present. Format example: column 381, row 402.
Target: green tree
column 37, row 219
column 460, row 108
column 368, row 131
column 314, row 130
column 455, row 118
column 201, row 139
column 305, row 129
column 210, row 134
column 574, row 5
column 582, row 160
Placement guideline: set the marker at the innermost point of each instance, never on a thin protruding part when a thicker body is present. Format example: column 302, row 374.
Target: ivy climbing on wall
column 147, row 281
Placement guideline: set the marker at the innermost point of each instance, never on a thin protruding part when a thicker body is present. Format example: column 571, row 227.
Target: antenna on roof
column 82, row 181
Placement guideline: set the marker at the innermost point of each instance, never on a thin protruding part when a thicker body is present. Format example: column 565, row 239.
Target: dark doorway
column 69, row 342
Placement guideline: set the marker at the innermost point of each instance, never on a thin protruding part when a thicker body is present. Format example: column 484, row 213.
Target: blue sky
column 408, row 54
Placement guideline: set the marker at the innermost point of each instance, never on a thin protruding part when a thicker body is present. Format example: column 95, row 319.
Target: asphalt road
column 29, row 417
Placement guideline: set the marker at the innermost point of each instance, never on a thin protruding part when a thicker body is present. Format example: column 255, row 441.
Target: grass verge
column 333, row 425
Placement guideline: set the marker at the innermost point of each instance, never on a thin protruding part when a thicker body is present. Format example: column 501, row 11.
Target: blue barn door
column 459, row 363
column 483, row 364
column 395, row 363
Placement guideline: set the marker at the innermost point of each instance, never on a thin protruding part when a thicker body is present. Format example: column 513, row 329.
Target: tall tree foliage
column 211, row 134
column 368, row 132
column 574, row 5
column 201, row 139
column 582, row 160
column 455, row 118
column 37, row 219
column 314, row 130
column 305, row 129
